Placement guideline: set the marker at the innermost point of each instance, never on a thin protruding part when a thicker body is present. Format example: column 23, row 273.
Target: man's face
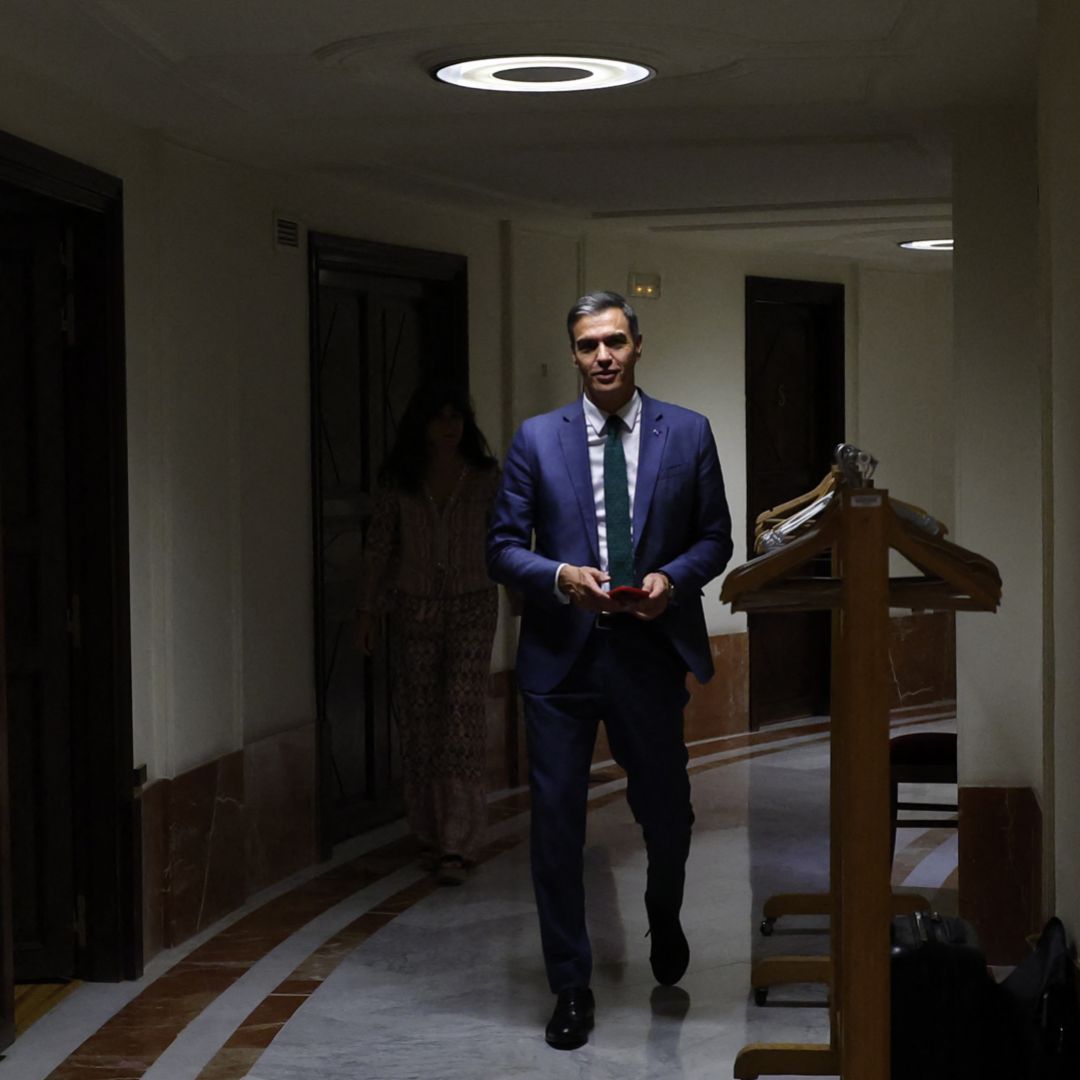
column 605, row 354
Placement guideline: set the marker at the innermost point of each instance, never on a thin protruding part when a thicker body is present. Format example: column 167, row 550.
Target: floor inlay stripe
column 923, row 860
column 242, row 1050
column 130, row 1042
column 135, row 1037
column 34, row 1000
column 244, row 1047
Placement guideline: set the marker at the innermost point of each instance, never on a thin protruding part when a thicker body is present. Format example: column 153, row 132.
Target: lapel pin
column 656, row 431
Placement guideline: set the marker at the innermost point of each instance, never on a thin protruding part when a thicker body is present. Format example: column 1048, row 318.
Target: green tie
column 617, row 506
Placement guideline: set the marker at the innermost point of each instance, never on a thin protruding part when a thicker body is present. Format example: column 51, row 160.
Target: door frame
column 329, row 252
column 105, row 802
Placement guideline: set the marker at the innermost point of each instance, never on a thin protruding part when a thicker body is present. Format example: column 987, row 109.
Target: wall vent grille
column 287, row 233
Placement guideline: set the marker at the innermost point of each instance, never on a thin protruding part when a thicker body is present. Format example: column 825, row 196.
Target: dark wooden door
column 70, row 900
column 38, row 610
column 794, row 419
column 383, row 318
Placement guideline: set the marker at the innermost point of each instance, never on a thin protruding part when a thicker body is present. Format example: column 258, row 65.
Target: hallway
column 365, row 969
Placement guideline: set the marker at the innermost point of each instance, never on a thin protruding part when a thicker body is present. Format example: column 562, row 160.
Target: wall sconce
column 644, row 286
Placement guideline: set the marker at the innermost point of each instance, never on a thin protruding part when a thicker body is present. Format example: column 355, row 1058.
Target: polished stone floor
column 365, row 969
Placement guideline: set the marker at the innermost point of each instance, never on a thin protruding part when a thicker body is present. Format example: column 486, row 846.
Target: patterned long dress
column 424, row 565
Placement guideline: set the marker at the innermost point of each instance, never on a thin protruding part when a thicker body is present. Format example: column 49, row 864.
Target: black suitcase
column 1042, row 990
column 950, row 1019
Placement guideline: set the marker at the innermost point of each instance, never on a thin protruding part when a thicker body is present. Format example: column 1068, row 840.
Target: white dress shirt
column 595, row 419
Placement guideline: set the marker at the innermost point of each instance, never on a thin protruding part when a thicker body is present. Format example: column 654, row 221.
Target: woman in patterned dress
column 424, row 565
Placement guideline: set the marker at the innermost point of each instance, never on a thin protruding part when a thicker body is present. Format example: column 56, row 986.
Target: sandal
column 452, row 870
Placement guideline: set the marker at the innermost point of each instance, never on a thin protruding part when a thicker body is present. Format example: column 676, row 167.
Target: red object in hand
column 629, row 592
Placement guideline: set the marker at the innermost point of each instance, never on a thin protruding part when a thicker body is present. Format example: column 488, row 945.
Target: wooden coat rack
column 859, row 526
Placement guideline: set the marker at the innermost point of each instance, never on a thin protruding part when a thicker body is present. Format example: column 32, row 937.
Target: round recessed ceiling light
column 542, row 74
column 928, row 245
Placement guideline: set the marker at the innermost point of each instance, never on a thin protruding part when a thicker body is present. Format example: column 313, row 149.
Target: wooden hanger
column 962, row 573
column 784, row 510
column 777, row 564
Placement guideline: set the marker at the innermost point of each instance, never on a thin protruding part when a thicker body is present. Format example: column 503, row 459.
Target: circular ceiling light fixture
column 542, row 74
column 928, row 245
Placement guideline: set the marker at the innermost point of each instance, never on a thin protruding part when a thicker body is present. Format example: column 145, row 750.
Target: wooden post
column 836, row 714
column 859, row 900
column 862, row 786
column 7, row 955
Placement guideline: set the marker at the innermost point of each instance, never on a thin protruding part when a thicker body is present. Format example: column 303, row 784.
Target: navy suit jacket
column 681, row 526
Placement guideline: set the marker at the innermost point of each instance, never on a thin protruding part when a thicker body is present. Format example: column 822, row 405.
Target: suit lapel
column 575, row 448
column 654, row 432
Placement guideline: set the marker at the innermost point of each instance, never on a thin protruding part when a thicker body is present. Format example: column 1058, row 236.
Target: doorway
column 69, row 832
column 382, row 319
column 794, row 419
column 37, row 594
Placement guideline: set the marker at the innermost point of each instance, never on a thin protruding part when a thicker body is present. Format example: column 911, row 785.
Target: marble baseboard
column 922, row 663
column 204, row 830
column 1000, row 865
column 279, row 806
column 719, row 707
column 258, row 801
column 722, row 705
column 155, row 847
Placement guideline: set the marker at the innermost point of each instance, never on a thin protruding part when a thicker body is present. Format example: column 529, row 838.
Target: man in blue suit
column 615, row 489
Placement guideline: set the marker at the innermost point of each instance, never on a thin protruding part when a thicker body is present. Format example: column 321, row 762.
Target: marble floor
column 364, row 968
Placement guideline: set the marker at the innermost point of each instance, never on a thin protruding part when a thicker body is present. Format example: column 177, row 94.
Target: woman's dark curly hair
column 404, row 465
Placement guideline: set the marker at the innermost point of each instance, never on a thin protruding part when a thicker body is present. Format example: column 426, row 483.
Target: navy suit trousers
column 630, row 677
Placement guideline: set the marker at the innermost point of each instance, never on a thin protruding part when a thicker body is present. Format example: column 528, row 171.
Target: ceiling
column 818, row 126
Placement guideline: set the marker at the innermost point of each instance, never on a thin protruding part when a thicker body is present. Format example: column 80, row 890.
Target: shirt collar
column 596, row 418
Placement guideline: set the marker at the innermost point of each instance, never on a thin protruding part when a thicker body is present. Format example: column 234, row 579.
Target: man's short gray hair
column 595, row 302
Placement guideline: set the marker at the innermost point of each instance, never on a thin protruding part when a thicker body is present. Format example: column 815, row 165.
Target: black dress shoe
column 572, row 1019
column 670, row 952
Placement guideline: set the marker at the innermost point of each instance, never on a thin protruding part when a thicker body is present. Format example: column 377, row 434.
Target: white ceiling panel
column 787, row 102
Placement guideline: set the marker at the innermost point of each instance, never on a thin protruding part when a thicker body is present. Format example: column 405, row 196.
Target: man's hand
column 582, row 584
column 655, row 604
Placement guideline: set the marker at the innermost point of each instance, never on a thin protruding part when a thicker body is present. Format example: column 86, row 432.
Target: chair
column 921, row 757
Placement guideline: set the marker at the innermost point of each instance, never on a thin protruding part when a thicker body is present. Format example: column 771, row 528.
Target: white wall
column 1059, row 181
column 541, row 279
column 998, row 407
column 546, row 280
column 906, row 382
